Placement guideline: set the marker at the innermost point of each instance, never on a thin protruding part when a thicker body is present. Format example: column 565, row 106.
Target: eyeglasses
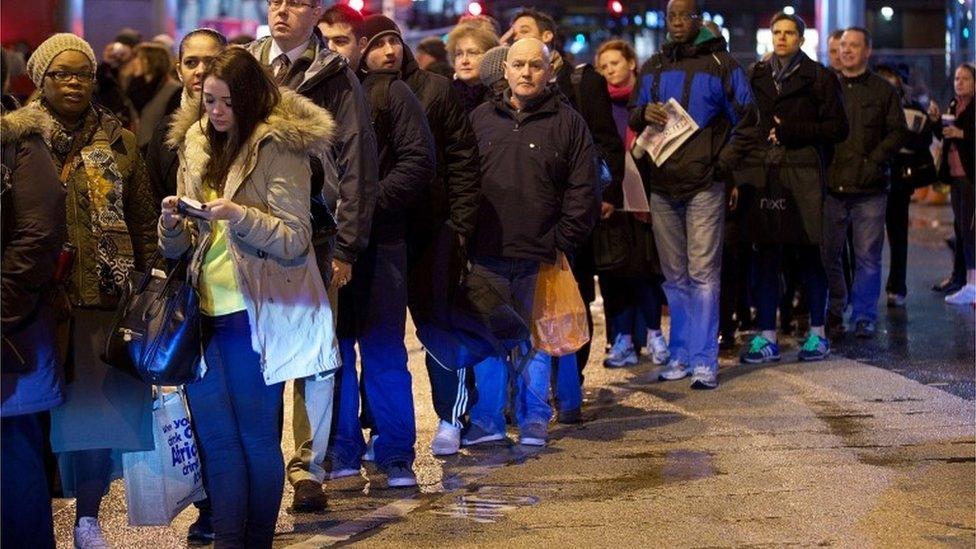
column 292, row 5
column 459, row 54
column 63, row 77
column 675, row 17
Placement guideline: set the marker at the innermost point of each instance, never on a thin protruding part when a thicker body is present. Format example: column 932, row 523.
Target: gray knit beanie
column 492, row 65
column 54, row 46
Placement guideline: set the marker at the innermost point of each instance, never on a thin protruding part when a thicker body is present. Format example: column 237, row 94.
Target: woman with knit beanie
column 111, row 220
column 634, row 287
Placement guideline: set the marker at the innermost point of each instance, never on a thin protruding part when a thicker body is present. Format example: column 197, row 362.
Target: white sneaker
column 621, row 354
column 659, row 348
column 447, row 441
column 88, row 535
column 370, row 454
column 965, row 296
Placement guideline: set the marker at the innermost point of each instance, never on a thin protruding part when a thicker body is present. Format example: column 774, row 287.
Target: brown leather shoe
column 309, row 497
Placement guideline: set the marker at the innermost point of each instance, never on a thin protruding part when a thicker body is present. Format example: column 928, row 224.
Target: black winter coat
column 33, row 206
column 782, row 187
column 454, row 192
column 538, row 179
column 162, row 161
column 406, row 154
column 351, row 176
column 593, row 104
column 877, row 122
column 967, row 122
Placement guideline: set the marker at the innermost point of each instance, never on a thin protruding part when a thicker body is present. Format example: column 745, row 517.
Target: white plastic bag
column 160, row 483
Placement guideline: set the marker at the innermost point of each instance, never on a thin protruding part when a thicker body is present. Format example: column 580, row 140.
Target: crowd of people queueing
column 346, row 180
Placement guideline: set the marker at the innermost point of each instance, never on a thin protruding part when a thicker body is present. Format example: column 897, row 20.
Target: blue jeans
column 569, row 388
column 514, row 279
column 25, row 519
column 626, row 297
column 237, row 421
column 373, row 313
column 769, row 289
column 866, row 213
column 688, row 234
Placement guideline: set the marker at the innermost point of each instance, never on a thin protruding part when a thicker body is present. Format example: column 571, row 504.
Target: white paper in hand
column 661, row 144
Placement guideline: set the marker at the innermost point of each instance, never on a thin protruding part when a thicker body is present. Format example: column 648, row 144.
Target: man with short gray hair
column 540, row 202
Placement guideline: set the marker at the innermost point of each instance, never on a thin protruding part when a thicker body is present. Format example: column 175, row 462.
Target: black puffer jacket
column 33, row 205
column 406, row 152
column 878, row 130
column 454, row 192
column 162, row 161
column 714, row 90
column 538, row 179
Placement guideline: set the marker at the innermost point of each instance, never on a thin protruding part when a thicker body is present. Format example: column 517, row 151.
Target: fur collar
column 295, row 122
column 18, row 124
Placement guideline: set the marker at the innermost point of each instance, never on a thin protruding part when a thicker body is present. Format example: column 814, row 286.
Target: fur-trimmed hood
column 18, row 124
column 295, row 122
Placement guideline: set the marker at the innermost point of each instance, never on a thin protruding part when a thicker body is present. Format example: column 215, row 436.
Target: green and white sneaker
column 760, row 351
column 814, row 348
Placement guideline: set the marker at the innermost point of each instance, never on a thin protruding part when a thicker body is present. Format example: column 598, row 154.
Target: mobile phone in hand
column 190, row 208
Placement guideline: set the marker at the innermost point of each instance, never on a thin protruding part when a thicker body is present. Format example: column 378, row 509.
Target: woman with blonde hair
column 635, row 287
column 466, row 45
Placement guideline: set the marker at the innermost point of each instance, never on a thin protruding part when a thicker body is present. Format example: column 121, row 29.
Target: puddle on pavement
column 664, row 468
column 487, row 505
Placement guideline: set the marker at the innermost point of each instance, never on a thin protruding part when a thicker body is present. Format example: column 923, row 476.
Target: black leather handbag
column 156, row 334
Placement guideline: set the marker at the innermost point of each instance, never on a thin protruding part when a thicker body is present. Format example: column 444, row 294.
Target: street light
column 475, row 8
column 616, row 7
column 887, row 12
column 357, row 5
column 789, row 10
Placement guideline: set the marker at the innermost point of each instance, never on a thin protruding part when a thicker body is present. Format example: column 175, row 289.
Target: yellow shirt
column 219, row 294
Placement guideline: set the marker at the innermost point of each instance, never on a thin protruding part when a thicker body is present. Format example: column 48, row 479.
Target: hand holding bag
column 161, row 482
column 559, row 323
column 156, row 335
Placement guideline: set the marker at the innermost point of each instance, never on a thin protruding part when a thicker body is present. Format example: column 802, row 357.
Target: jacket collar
column 296, row 123
column 547, row 103
column 800, row 79
column 705, row 43
column 18, row 124
column 325, row 64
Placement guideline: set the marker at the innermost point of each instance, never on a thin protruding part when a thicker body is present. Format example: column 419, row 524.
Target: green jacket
column 141, row 212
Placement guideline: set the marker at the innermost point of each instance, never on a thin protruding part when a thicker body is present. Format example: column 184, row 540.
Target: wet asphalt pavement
column 839, row 453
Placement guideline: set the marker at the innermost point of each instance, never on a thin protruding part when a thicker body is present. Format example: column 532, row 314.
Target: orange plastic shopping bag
column 559, row 323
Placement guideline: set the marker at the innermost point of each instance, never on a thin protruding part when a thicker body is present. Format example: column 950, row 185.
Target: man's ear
column 362, row 44
column 547, row 37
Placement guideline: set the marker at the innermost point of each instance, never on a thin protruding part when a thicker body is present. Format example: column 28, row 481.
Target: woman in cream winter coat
column 244, row 156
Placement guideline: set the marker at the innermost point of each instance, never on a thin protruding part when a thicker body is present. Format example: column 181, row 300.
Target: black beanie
column 377, row 26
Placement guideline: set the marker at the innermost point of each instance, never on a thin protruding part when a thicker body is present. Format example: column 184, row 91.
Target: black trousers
column 896, row 223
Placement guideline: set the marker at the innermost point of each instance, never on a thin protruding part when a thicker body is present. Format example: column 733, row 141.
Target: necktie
column 280, row 67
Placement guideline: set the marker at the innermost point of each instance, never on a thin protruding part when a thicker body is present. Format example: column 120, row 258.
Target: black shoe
column 570, row 417
column 726, row 341
column 201, row 531
column 835, row 325
column 864, row 329
column 309, row 497
column 948, row 286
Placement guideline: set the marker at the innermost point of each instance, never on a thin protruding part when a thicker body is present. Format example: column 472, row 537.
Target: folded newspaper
column 661, row 144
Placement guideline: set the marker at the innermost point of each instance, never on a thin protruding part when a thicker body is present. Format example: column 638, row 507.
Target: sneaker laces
column 620, row 346
column 812, row 343
column 758, row 343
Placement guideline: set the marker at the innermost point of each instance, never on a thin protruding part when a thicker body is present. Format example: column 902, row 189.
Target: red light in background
column 616, row 7
column 475, row 8
column 357, row 5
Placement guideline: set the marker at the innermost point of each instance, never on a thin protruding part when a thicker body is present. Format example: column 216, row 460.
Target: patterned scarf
column 102, row 194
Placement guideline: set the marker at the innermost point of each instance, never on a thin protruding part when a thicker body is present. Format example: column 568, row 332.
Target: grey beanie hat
column 54, row 46
column 492, row 65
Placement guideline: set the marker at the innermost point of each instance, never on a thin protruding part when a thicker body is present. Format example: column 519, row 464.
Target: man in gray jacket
column 300, row 61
